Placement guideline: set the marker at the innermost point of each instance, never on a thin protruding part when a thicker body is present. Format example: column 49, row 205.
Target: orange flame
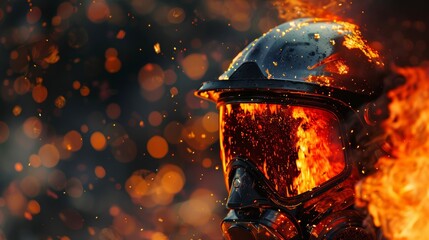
column 314, row 153
column 291, row 9
column 397, row 195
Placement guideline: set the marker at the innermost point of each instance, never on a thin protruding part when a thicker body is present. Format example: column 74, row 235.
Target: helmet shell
column 310, row 55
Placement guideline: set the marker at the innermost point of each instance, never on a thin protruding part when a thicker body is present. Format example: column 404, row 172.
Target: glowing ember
column 157, row 48
column 397, row 195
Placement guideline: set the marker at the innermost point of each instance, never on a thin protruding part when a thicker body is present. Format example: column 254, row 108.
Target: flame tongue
column 398, row 193
column 314, row 152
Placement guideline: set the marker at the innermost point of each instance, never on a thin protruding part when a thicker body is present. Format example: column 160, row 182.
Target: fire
column 298, row 150
column 314, row 153
column 291, row 9
column 397, row 194
column 353, row 40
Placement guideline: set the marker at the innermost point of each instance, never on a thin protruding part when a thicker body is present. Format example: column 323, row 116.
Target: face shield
column 296, row 147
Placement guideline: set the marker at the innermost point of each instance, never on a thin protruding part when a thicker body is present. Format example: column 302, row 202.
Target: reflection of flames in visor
column 297, row 148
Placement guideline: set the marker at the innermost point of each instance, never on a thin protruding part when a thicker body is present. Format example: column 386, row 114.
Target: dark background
column 154, row 92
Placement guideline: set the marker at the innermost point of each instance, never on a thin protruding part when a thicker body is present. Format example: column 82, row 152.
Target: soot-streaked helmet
column 311, row 56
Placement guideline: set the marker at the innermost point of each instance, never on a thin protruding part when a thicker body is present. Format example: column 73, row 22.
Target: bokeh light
column 195, row 65
column 72, row 141
column 151, row 77
column 101, row 135
column 157, row 147
column 98, row 141
column 32, row 127
column 98, row 11
column 49, row 155
column 4, row 132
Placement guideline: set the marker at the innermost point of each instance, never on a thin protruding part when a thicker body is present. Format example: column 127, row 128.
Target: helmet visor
column 297, row 148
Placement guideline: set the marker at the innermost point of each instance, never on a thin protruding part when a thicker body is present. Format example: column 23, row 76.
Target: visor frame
column 340, row 110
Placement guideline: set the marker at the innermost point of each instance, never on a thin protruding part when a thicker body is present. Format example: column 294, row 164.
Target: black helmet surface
column 306, row 55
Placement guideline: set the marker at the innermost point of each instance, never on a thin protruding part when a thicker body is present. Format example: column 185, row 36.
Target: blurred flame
column 397, row 194
column 291, row 9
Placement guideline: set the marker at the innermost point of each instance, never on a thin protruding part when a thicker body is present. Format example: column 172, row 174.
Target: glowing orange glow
column 100, row 172
column 34, row 15
column 322, row 80
column 121, row 34
column 171, row 178
column 98, row 141
column 176, row 15
column 302, row 143
column 157, row 147
column 76, row 85
column 56, row 21
column 65, row 10
column 112, row 64
column 21, row 85
column 158, row 236
column 60, row 102
column 14, row 55
column 15, row 201
column 30, row 186
column 353, row 40
column 172, row 132
column 74, row 188
column 72, row 141
column 206, row 163
column 151, row 77
column 111, row 52
column 35, row 161
column 19, row 167
column 17, row 110
column 174, row 91
column 155, row 118
column 113, row 111
column 114, row 210
column 137, row 186
column 32, row 127
column 84, row 91
column 210, row 122
column 84, row 128
column 33, row 207
column 124, row 224
column 40, row 93
column 397, row 194
column 98, row 11
column 49, row 155
column 4, row 132
column 197, row 210
column 157, row 48
column 195, row 65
